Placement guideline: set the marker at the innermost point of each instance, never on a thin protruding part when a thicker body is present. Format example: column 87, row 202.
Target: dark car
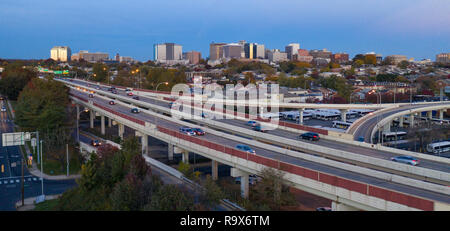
column 112, row 102
column 198, row 131
column 91, row 96
column 114, row 91
column 310, row 136
column 135, row 110
column 136, row 97
column 259, row 128
column 187, row 131
column 96, row 143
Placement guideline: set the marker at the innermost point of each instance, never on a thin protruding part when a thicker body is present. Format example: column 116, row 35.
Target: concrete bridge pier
column 121, row 130
column 244, row 180
column 214, row 170
column 144, row 142
column 411, row 120
column 387, row 127
column 337, row 206
column 300, row 111
column 400, row 121
column 78, row 111
column 102, row 124
column 441, row 114
column 430, row 115
column 343, row 114
column 109, row 122
column 170, row 151
column 92, row 117
column 185, row 156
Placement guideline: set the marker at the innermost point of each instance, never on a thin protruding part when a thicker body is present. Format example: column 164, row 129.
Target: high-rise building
column 61, row 53
column 248, row 49
column 339, row 58
column 258, row 51
column 117, row 57
column 443, row 58
column 276, row 55
column 193, row 57
column 232, row 50
column 395, row 59
column 168, row 51
column 92, row 57
column 291, row 49
column 324, row 53
column 216, row 51
column 302, row 56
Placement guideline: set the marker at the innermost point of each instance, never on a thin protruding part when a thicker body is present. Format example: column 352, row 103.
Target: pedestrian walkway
column 29, row 203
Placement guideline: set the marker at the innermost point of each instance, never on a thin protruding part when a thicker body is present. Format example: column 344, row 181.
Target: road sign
column 14, row 138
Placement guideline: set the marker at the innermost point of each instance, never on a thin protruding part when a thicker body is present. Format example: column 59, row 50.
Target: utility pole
column 23, row 190
column 67, row 157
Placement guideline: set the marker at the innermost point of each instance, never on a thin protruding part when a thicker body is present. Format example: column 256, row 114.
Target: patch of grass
column 46, row 205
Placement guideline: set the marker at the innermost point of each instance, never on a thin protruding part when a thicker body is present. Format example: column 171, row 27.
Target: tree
column 403, row 64
column 250, row 77
column 212, row 194
column 370, row 59
column 100, row 72
column 171, row 198
column 14, row 79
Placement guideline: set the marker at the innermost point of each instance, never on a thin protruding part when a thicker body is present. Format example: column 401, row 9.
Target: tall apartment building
column 291, row 49
column 249, row 51
column 324, row 53
column 276, row 55
column 91, row 57
column 193, row 57
column 61, row 53
column 339, row 58
column 258, row 51
column 395, row 59
column 168, row 52
column 216, row 51
column 232, row 50
column 302, row 56
column 443, row 58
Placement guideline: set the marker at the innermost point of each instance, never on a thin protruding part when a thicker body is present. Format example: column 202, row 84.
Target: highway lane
column 365, row 128
column 269, row 153
column 323, row 142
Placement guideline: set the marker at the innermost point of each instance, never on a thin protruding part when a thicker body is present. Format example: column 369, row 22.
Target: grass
column 46, row 205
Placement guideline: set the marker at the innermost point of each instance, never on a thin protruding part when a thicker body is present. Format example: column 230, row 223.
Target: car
column 114, row 91
column 97, row 87
column 310, row 136
column 259, row 128
column 323, row 209
column 112, row 102
column 130, row 93
column 245, row 148
column 406, row 159
column 187, row 131
column 129, row 89
column 136, row 97
column 134, row 110
column 3, row 109
column 111, row 88
column 198, row 131
column 96, row 143
column 91, row 96
column 252, row 123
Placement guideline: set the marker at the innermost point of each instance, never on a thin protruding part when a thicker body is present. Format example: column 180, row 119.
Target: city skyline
column 380, row 27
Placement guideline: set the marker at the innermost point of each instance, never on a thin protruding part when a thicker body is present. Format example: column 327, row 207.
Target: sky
column 416, row 28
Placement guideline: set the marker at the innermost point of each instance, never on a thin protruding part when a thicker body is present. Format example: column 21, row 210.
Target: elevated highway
column 344, row 187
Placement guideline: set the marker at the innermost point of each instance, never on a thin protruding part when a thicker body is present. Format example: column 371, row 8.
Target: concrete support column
column 336, row 206
column 185, row 156
column 214, row 170
column 170, row 151
column 244, row 181
column 78, row 111
column 430, row 115
column 343, row 114
column 411, row 120
column 102, row 124
column 441, row 114
column 301, row 115
column 400, row 121
column 387, row 128
column 109, row 122
column 144, row 142
column 121, row 130
column 92, row 117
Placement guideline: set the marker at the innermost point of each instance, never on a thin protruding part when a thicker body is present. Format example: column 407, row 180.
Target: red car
column 130, row 93
column 198, row 131
column 112, row 102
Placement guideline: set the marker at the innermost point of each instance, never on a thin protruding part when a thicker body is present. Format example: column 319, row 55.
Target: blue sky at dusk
column 415, row 28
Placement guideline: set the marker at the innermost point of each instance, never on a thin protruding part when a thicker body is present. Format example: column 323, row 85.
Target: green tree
column 370, row 59
column 14, row 79
column 171, row 198
column 403, row 64
column 100, row 72
column 212, row 193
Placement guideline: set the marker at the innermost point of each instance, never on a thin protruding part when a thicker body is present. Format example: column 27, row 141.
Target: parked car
column 323, row 209
column 112, row 102
column 134, row 110
column 406, row 159
column 310, row 136
column 187, row 131
column 245, row 148
column 198, row 131
column 91, row 96
column 259, row 128
column 252, row 123
column 136, row 97
column 96, row 143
